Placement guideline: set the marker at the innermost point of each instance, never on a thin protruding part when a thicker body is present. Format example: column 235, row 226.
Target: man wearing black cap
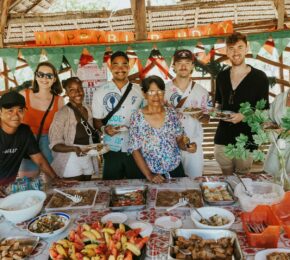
column 183, row 93
column 17, row 140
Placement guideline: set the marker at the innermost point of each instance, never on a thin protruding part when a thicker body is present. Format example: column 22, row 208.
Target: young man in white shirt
column 118, row 163
column 182, row 92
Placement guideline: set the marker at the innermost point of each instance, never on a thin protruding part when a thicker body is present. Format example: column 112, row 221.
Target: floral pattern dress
column 157, row 145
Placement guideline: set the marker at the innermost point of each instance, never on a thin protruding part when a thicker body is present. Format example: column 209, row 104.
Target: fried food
column 168, row 198
column 15, row 249
column 278, row 256
column 215, row 220
column 219, row 193
column 203, row 249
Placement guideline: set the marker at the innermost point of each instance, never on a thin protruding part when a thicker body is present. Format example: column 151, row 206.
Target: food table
column 157, row 246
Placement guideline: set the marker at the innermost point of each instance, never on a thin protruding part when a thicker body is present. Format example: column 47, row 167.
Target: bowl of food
column 213, row 218
column 49, row 224
column 22, row 206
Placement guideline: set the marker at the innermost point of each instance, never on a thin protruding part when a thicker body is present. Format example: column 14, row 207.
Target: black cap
column 182, row 54
column 12, row 99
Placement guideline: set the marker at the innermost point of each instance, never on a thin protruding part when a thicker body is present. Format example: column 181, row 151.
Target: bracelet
column 103, row 129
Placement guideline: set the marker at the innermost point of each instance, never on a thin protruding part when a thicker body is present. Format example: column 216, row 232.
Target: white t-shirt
column 105, row 99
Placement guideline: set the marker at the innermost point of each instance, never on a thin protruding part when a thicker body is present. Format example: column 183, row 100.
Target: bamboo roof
column 28, row 16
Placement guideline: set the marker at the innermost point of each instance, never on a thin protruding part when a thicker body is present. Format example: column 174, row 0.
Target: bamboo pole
column 139, row 15
column 4, row 5
column 280, row 6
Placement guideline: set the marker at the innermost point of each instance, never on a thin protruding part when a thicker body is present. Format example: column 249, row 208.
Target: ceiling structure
column 21, row 18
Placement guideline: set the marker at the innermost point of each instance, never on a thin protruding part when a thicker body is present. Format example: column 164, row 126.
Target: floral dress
column 157, row 145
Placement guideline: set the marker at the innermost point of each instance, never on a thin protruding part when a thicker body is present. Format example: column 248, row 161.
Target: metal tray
column 71, row 205
column 23, row 240
column 213, row 185
column 121, row 191
column 207, row 234
column 179, row 190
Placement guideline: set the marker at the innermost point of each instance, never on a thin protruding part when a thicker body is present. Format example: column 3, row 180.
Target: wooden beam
column 139, row 15
column 3, row 19
column 280, row 6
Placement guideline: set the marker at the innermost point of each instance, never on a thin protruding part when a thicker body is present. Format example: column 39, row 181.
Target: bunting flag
column 142, row 50
column 281, row 44
column 97, row 52
column 32, row 57
column 143, row 56
column 167, row 54
column 72, row 55
column 10, row 57
column 256, row 43
column 55, row 56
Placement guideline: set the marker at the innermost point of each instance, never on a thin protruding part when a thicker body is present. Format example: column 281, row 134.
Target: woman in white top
column 278, row 110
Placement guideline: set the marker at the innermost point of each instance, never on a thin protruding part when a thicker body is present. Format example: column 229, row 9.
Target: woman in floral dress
column 156, row 135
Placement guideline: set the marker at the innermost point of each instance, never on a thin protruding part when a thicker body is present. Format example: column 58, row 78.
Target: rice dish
column 26, row 203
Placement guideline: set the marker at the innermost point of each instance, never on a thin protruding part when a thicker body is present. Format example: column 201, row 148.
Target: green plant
column 256, row 118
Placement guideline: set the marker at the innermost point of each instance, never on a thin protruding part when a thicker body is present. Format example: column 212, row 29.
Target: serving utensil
column 180, row 203
column 192, row 207
column 74, row 198
column 242, row 182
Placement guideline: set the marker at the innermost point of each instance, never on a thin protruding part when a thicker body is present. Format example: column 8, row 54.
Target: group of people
column 40, row 133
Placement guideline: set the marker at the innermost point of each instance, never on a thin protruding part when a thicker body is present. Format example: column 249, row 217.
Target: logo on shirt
column 175, row 98
column 10, row 151
column 111, row 100
column 134, row 98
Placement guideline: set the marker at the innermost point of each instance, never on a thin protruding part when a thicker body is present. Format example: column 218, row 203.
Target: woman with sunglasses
column 156, row 135
column 42, row 98
column 70, row 134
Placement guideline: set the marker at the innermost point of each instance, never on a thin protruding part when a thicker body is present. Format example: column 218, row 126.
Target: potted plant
column 263, row 133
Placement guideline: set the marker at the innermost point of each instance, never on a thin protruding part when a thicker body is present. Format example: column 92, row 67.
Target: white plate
column 93, row 147
column 262, row 255
column 123, row 129
column 115, row 217
column 64, row 216
column 146, row 228
column 168, row 222
column 192, row 112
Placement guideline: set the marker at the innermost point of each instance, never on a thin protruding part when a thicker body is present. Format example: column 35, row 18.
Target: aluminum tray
column 118, row 191
column 23, row 240
column 215, row 185
column 72, row 205
column 178, row 190
column 207, row 234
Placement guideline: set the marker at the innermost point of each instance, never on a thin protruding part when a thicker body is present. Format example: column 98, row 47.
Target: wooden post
column 3, row 19
column 139, row 14
column 280, row 6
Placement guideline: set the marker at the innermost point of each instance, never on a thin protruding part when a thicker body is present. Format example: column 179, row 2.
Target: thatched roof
column 28, row 16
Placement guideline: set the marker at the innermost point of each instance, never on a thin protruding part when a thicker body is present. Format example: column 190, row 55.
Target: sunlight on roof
column 92, row 5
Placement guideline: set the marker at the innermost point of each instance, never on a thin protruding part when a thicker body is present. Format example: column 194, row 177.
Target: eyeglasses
column 42, row 75
column 155, row 92
column 231, row 97
column 87, row 128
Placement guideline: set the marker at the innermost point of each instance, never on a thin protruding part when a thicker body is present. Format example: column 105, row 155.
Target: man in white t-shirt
column 118, row 163
column 182, row 92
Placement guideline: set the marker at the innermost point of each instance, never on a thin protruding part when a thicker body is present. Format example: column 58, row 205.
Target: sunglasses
column 87, row 128
column 42, row 75
column 155, row 92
